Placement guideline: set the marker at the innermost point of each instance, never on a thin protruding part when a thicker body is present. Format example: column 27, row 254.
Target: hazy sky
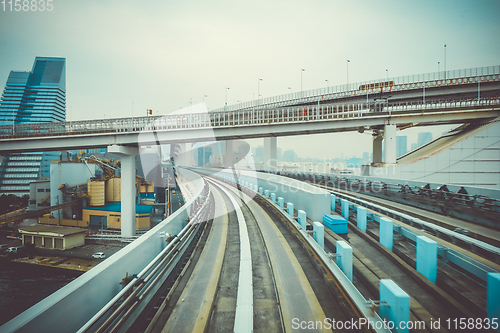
column 127, row 56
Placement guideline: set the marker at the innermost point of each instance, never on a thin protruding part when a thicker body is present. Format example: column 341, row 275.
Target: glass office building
column 32, row 97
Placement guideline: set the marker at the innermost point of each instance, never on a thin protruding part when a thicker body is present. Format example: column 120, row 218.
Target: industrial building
column 53, row 237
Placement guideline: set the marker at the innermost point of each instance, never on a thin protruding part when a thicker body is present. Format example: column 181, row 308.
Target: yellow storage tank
column 113, row 190
column 96, row 193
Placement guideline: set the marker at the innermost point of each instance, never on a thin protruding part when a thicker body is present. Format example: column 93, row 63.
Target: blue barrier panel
column 261, row 190
column 273, row 197
column 386, row 232
column 493, row 296
column 335, row 223
column 344, row 208
column 289, row 209
column 361, row 218
column 266, row 194
column 398, row 310
column 333, row 202
column 280, row 202
column 255, row 188
column 427, row 258
column 303, row 219
column 319, row 234
column 344, row 258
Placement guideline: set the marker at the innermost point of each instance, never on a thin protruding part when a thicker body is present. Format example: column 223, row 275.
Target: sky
column 123, row 57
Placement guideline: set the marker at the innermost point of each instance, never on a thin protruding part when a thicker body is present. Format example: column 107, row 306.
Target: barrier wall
column 313, row 200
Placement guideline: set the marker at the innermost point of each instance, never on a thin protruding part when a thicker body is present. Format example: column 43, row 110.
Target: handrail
column 441, row 78
column 288, row 114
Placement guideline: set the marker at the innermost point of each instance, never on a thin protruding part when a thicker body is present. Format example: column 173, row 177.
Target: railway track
column 287, row 287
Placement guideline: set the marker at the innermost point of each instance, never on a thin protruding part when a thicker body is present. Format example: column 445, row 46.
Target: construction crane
column 107, row 169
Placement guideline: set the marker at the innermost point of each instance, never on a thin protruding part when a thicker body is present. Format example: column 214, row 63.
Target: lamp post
column 204, row 98
column 302, row 70
column 327, row 84
column 439, row 74
column 445, row 63
column 290, row 88
column 387, row 72
column 225, row 90
column 258, row 89
column 348, row 61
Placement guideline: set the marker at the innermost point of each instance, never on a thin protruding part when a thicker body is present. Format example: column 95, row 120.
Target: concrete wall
column 79, row 300
column 313, row 200
column 473, row 161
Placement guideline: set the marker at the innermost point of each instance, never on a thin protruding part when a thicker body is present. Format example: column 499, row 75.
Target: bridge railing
column 433, row 79
column 250, row 117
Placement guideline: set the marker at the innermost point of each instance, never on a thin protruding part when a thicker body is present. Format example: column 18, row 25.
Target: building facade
column 31, row 97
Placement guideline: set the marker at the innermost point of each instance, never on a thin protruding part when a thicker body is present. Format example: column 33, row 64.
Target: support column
column 319, row 234
column 228, row 157
column 398, row 301
column 386, row 232
column 344, row 208
column 389, row 144
column 493, row 295
column 344, row 258
column 427, row 258
column 377, row 149
column 127, row 159
column 361, row 218
column 303, row 219
column 270, row 149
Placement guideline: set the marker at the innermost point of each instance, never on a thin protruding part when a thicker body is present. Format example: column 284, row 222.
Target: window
column 40, row 190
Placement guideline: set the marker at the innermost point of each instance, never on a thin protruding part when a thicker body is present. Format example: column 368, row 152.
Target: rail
column 295, row 114
column 125, row 305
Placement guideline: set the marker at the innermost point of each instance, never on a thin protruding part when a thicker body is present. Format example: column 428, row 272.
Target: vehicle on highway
column 99, row 255
column 4, row 247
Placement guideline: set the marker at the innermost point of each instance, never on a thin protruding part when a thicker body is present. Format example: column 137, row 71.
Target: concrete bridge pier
column 229, row 156
column 389, row 144
column 127, row 159
column 270, row 155
column 377, row 149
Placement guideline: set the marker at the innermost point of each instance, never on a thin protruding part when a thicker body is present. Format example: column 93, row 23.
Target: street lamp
column 327, row 83
column 302, row 70
column 225, row 90
column 348, row 61
column 439, row 74
column 445, row 63
column 258, row 88
column 204, row 98
column 290, row 88
column 387, row 72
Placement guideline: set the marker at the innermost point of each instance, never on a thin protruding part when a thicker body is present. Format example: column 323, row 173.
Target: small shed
column 53, row 237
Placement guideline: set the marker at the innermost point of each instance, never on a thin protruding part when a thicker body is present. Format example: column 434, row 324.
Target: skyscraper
column 32, row 97
column 401, row 145
column 423, row 138
column 37, row 96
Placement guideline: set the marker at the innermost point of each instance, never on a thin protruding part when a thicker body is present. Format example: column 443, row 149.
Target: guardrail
column 325, row 112
column 433, row 79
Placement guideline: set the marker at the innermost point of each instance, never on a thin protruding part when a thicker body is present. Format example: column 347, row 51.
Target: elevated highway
column 420, row 101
